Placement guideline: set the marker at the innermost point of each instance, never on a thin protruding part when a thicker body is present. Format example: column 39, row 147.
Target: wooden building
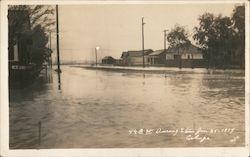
column 157, row 57
column 135, row 58
column 108, row 60
column 188, row 56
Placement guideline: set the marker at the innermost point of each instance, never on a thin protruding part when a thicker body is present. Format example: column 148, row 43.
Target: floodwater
column 109, row 109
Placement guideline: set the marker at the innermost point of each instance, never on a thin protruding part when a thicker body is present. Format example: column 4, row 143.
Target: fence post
column 39, row 131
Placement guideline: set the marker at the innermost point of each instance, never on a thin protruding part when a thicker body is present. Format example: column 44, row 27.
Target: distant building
column 108, row 60
column 119, row 61
column 135, row 57
column 157, row 57
column 188, row 56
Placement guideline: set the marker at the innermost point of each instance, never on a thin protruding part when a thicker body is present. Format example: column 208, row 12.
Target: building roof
column 108, row 57
column 157, row 52
column 136, row 53
column 186, row 48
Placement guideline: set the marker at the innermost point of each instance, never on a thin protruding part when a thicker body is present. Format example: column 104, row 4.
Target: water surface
column 96, row 109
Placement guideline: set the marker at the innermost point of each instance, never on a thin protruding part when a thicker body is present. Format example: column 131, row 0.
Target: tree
column 238, row 19
column 19, row 32
column 39, row 49
column 205, row 35
column 223, row 43
column 214, row 35
column 178, row 36
column 222, row 38
column 38, row 14
column 31, row 21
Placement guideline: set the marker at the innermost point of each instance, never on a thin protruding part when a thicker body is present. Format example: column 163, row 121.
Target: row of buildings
column 188, row 56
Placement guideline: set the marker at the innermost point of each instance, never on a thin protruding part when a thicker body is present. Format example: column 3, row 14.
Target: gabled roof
column 136, row 53
column 186, row 48
column 124, row 54
column 107, row 57
column 157, row 52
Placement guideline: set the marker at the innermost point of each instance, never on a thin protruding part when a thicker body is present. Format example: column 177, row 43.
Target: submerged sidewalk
column 161, row 69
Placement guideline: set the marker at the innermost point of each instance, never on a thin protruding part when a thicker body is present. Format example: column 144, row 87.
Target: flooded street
column 98, row 109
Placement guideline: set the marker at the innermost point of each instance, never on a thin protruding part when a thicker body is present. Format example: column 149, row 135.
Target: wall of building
column 172, row 63
column 157, row 59
column 135, row 60
column 191, row 56
column 186, row 63
column 108, row 61
column 169, row 56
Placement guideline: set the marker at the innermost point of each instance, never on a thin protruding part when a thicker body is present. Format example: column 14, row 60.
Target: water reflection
column 59, row 79
column 95, row 108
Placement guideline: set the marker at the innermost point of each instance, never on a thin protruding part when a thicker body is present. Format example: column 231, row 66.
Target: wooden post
column 50, row 47
column 59, row 80
column 165, row 36
column 96, row 56
column 57, row 40
column 180, row 65
column 46, row 71
column 143, row 62
column 39, row 132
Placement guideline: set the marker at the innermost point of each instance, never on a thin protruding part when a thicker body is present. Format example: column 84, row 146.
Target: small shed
column 108, row 60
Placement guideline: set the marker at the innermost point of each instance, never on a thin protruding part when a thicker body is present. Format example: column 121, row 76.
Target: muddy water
column 105, row 109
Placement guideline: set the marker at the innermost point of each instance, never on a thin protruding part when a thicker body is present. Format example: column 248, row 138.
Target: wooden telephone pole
column 165, row 38
column 57, row 40
column 143, row 60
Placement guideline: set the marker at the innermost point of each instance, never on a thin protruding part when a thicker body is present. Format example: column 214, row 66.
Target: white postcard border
column 173, row 152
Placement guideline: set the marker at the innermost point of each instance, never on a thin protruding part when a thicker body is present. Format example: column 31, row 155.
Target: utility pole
column 50, row 40
column 57, row 40
column 165, row 38
column 50, row 59
column 143, row 61
column 96, row 49
column 96, row 57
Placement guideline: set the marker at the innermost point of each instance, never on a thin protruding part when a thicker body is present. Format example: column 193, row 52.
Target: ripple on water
column 97, row 108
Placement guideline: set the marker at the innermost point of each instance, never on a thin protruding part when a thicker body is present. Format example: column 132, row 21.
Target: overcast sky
column 117, row 28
